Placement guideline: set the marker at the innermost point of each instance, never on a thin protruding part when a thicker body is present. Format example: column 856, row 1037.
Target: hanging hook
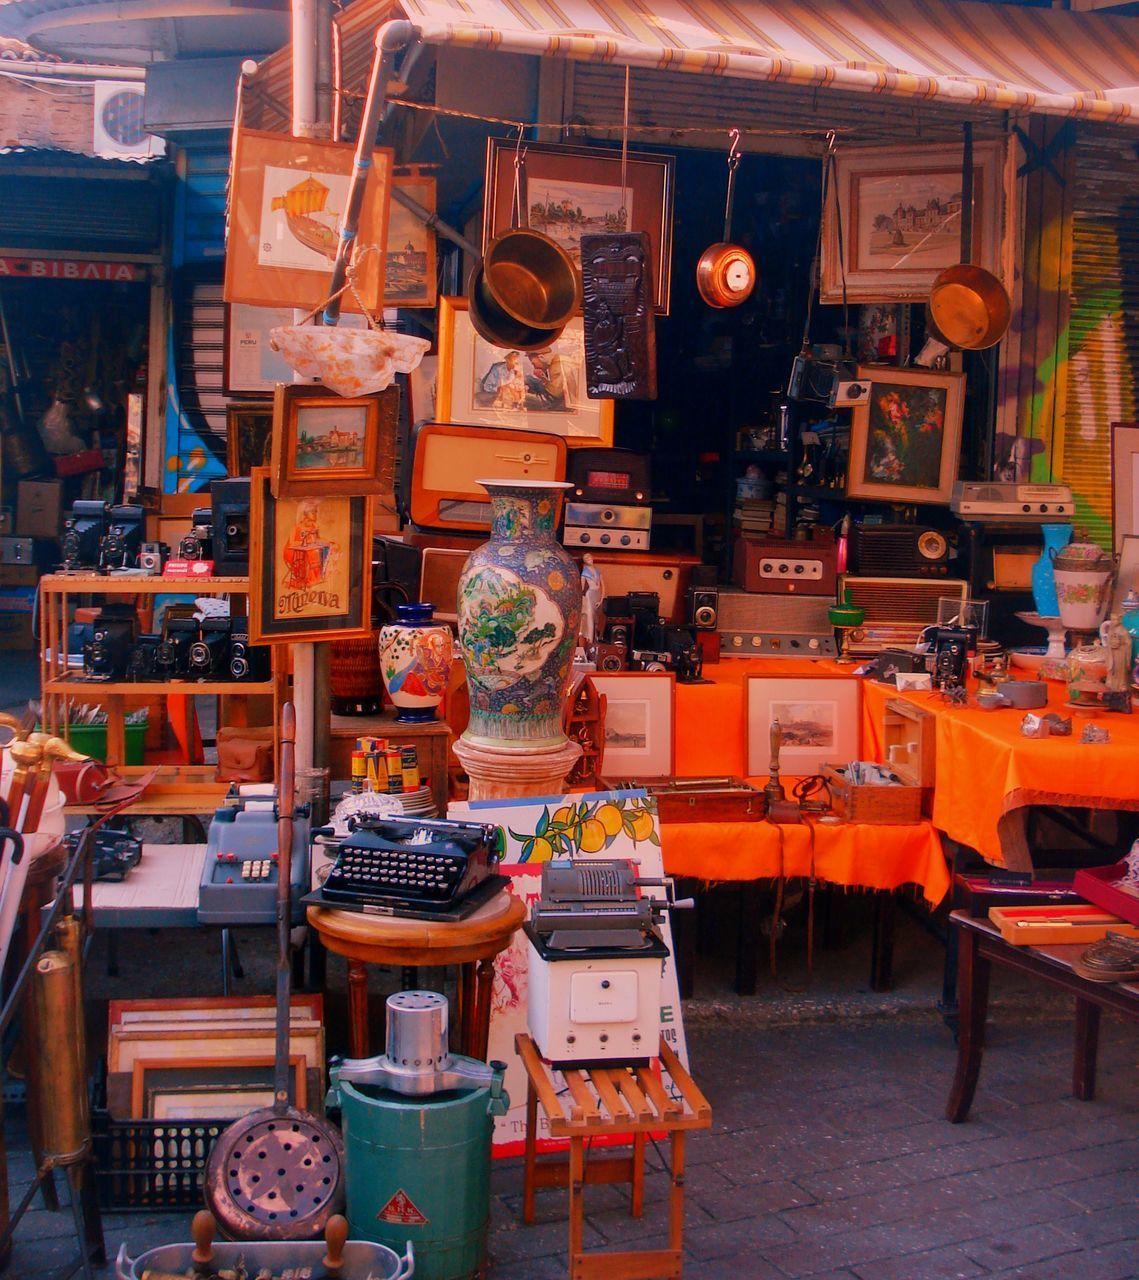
column 734, row 152
column 734, row 157
column 519, row 160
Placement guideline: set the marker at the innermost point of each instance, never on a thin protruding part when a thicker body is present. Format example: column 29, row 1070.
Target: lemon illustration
column 610, row 818
column 592, row 836
column 541, row 850
column 642, row 822
column 562, row 815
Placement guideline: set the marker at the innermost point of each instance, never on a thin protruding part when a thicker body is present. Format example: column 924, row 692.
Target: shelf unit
column 61, row 592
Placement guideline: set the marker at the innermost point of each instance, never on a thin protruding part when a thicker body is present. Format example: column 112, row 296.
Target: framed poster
column 324, row 443
column 819, row 716
column 638, row 723
column 527, row 390
column 409, row 271
column 1124, row 481
column 287, row 198
column 905, row 437
column 250, row 365
column 570, row 191
column 900, row 210
column 248, row 437
column 310, row 565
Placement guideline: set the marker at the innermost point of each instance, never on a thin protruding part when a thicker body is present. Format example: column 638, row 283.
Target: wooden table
column 980, row 947
column 611, row 1100
column 430, row 738
column 471, row 944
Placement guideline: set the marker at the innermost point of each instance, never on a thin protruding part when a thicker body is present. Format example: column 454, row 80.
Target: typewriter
column 413, row 866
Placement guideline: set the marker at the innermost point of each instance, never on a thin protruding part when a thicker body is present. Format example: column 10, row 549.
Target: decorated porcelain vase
column 1083, row 573
column 519, row 610
column 415, row 661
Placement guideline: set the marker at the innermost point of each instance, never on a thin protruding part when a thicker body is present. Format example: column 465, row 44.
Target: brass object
column 532, row 278
column 500, row 329
column 66, row 1122
column 779, row 808
column 618, row 317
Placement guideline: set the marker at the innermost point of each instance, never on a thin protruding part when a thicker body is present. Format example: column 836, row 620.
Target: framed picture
column 250, row 365
column 570, row 191
column 287, row 197
column 324, row 443
column 1127, row 575
column 905, row 436
column 819, row 716
column 310, row 565
column 901, row 220
column 1124, row 481
column 638, row 723
column 528, row 390
column 248, row 436
column 161, row 1090
column 409, row 272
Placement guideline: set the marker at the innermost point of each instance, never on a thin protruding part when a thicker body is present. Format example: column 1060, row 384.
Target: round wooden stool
column 471, row 944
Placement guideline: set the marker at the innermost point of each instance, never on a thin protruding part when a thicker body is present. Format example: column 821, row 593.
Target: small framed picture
column 1124, row 481
column 324, row 443
column 905, row 437
column 409, row 275
column 310, row 565
column 248, row 436
column 820, row 720
column 639, row 719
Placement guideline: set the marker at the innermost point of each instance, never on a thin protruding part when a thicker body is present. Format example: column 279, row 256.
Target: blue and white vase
column 519, row 610
column 1056, row 538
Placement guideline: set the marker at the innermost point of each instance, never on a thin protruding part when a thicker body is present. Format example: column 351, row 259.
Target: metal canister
column 409, row 760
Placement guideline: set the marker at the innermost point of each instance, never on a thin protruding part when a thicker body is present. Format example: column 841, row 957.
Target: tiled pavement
column 829, row 1157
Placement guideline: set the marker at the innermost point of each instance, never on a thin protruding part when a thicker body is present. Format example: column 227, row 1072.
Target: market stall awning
column 1002, row 57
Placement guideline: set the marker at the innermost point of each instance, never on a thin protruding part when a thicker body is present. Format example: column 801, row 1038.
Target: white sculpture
column 592, row 594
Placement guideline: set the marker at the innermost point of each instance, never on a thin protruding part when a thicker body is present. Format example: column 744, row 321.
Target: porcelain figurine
column 415, row 661
column 1056, row 537
column 520, row 607
column 592, row 595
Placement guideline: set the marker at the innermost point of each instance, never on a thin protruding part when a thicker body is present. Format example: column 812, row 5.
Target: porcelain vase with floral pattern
column 415, row 661
column 519, row 609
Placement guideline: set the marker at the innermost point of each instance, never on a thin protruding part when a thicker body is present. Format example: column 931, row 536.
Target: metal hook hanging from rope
column 735, row 155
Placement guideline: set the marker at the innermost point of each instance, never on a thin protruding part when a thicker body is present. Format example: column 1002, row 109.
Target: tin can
column 409, row 760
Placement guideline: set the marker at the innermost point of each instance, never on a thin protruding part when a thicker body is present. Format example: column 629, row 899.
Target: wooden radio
column 786, row 566
column 897, row 609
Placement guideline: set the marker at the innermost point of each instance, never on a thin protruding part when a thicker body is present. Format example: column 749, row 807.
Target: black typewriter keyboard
column 415, row 871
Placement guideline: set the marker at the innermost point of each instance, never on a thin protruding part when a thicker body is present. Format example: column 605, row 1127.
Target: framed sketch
column 901, row 220
column 409, row 271
column 161, row 1090
column 250, row 365
column 570, row 191
column 905, row 437
column 638, row 723
column 481, row 384
column 248, row 436
column 819, row 716
column 310, row 565
column 287, row 198
column 1127, row 575
column 324, row 443
column 1124, row 481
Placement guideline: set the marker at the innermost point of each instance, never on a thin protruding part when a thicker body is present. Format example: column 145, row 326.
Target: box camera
column 951, row 656
column 230, row 526
column 120, row 545
column 606, row 656
column 198, row 544
column 143, row 661
column 246, row 661
column 179, row 632
column 106, row 656
column 152, row 557
column 702, row 607
column 208, row 656
column 83, row 534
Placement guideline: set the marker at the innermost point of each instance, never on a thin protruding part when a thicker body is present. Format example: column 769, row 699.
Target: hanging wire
column 516, row 197
column 623, row 213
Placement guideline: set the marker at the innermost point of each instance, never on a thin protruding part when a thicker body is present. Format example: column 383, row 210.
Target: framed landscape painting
column 819, row 721
column 638, row 723
column 324, row 443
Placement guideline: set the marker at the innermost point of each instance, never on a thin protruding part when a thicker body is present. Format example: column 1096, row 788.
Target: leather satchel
column 245, row 755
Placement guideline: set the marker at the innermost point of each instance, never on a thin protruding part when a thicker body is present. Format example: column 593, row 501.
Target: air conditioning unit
column 119, row 132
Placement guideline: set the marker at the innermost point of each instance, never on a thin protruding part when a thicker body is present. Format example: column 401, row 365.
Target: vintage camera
column 951, row 656
column 702, row 607
column 143, row 661
column 687, row 658
column 606, row 656
column 180, row 630
column 83, row 532
column 120, row 545
column 246, row 661
column 208, row 655
column 618, row 631
column 230, row 500
column 152, row 557
column 650, row 660
column 106, row 655
column 198, row 544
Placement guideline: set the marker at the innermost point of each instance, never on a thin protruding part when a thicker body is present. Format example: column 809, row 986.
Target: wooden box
column 698, row 799
column 1049, row 926
column 909, row 738
column 879, row 805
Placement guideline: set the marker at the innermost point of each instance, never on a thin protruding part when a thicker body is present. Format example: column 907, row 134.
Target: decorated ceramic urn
column 415, row 661
column 519, row 610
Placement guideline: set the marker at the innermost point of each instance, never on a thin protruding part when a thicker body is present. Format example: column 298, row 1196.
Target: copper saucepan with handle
column 726, row 274
column 968, row 306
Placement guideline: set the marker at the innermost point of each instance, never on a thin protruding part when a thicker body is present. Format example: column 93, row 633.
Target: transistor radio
column 897, row 609
column 898, row 551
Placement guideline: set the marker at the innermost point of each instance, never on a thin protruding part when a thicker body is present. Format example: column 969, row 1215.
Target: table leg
column 480, row 1028
column 747, row 937
column 465, row 997
column 357, row 1009
column 531, row 1159
column 637, row 1207
column 882, row 944
column 576, row 1202
column 1087, row 1045
column 973, row 972
column 676, row 1195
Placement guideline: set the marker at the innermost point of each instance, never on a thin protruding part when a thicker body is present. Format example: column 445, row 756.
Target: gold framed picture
column 324, row 443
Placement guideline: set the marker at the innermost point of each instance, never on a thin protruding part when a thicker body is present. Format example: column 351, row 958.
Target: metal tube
column 67, row 1122
column 304, row 67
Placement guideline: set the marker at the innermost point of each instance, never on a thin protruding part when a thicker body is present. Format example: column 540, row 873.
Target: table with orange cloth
column 710, row 742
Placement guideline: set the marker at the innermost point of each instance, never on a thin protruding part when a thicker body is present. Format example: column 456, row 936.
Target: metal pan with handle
column 278, row 1173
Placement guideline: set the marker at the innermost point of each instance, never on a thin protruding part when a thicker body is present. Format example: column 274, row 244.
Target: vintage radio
column 989, row 500
column 668, row 575
column 898, row 551
column 779, row 626
column 620, row 528
column 609, row 503
column 231, row 526
column 787, row 566
column 897, row 609
column 448, row 462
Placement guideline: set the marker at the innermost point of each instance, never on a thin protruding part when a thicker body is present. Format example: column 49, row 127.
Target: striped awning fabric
column 996, row 56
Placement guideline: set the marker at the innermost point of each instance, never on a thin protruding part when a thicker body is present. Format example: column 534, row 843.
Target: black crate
column 143, row 1165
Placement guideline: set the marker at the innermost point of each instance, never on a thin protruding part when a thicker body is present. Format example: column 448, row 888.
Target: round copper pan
column 969, row 307
column 725, row 275
column 498, row 328
column 532, row 278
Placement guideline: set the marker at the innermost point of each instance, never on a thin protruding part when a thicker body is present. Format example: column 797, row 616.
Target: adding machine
column 239, row 877
column 596, row 959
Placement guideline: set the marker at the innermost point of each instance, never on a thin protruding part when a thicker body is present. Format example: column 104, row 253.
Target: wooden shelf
column 124, row 688
column 123, row 585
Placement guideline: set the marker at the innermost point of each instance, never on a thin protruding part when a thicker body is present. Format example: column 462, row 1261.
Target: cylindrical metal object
column 417, row 1030
column 67, row 1121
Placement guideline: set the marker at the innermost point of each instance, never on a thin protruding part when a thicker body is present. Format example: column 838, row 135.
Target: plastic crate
column 91, row 740
column 147, row 1165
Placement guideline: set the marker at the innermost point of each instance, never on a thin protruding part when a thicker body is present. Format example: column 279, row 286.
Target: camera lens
column 238, row 667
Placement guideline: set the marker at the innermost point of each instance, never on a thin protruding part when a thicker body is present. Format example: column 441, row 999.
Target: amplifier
column 779, row 626
column 898, row 551
column 988, row 500
column 668, row 575
column 609, row 476
column 786, row 566
column 596, row 524
column 897, row 609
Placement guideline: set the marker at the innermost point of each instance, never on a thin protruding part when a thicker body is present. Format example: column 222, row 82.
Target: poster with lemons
column 603, row 825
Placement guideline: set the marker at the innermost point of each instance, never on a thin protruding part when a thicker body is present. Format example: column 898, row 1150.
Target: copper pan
column 498, row 328
column 532, row 278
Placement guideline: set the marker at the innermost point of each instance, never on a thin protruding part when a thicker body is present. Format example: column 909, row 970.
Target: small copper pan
column 532, row 278
column 489, row 320
column 969, row 308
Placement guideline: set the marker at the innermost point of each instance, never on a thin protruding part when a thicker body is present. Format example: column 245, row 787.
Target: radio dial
column 737, row 642
column 604, row 539
column 799, row 568
column 1044, row 506
column 608, row 515
column 625, row 539
column 813, row 643
column 1026, row 507
column 583, row 537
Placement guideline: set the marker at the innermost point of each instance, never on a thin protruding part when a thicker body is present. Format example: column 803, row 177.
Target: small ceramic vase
column 1083, row 573
column 415, row 661
column 1056, row 537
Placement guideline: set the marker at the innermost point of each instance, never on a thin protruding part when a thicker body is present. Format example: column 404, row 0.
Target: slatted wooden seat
column 612, row 1101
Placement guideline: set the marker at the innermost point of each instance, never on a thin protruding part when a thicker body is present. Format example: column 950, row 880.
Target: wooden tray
column 881, row 806
column 1057, row 926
